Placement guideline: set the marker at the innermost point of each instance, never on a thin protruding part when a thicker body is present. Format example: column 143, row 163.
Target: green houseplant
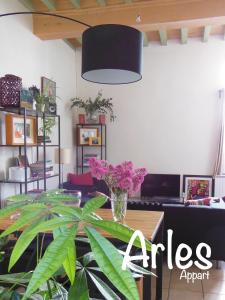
column 91, row 107
column 48, row 213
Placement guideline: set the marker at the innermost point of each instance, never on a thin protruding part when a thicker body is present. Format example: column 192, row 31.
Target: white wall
column 25, row 55
column 169, row 121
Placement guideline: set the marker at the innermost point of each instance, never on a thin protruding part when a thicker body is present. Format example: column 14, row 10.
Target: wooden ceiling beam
column 50, row 4
column 76, row 3
column 102, row 2
column 163, row 37
column 145, row 39
column 206, row 33
column 28, row 4
column 184, row 35
column 155, row 15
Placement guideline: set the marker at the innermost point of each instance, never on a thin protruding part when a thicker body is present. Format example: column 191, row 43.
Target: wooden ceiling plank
column 156, row 15
column 206, row 33
column 50, row 4
column 71, row 45
column 184, row 35
column 163, row 37
column 28, row 4
column 128, row 1
column 102, row 2
column 145, row 39
column 76, row 3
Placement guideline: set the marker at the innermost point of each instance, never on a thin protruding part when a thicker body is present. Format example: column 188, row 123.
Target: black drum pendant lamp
column 111, row 53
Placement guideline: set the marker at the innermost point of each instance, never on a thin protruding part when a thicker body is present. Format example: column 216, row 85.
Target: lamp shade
column 112, row 54
column 65, row 156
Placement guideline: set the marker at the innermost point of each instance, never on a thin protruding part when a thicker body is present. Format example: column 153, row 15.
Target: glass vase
column 119, row 206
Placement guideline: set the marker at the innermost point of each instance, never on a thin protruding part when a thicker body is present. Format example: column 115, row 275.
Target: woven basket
column 10, row 86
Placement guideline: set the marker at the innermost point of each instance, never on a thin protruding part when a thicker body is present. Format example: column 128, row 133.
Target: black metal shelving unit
column 99, row 149
column 23, row 148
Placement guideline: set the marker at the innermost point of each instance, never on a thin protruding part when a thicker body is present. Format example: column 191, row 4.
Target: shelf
column 82, row 166
column 29, row 112
column 91, row 124
column 36, row 145
column 30, row 180
column 91, row 146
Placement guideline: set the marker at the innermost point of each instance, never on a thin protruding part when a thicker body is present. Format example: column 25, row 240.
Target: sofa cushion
column 81, row 179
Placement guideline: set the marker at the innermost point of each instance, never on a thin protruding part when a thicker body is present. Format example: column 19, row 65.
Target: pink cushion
column 82, row 179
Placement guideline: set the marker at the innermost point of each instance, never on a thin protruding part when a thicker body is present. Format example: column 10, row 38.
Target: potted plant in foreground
column 48, row 213
column 91, row 107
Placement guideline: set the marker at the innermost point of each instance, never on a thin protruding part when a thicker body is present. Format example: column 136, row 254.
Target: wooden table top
column 147, row 222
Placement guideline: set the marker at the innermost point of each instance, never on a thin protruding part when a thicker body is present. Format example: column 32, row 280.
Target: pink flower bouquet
column 121, row 179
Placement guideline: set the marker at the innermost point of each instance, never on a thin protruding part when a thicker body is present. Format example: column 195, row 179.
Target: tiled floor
column 175, row 288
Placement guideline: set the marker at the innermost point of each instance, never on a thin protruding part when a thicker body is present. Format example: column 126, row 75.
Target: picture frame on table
column 14, row 126
column 197, row 186
column 95, row 141
column 84, row 134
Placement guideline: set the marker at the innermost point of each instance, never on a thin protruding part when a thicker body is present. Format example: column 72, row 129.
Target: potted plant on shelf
column 98, row 105
column 49, row 214
column 47, row 125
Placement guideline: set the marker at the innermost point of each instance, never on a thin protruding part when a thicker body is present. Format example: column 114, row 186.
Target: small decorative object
column 95, row 141
column 10, row 86
column 18, row 173
column 50, row 122
column 121, row 180
column 26, row 98
column 81, row 119
column 62, row 157
column 85, row 133
column 22, row 161
column 48, row 89
column 92, row 107
column 197, row 186
column 102, row 119
column 15, row 133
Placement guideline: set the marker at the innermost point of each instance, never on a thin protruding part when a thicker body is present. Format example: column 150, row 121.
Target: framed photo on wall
column 85, row 134
column 197, row 186
column 15, row 134
column 48, row 88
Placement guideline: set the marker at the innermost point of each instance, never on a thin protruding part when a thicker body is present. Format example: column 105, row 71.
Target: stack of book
column 37, row 169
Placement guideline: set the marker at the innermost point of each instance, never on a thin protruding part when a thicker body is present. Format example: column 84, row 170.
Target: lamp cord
column 45, row 14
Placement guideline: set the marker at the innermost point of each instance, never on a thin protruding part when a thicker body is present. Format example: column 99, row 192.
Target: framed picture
column 197, row 186
column 26, row 98
column 84, row 134
column 48, row 88
column 94, row 141
column 15, row 134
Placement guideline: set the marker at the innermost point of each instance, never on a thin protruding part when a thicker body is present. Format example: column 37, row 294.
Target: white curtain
column 220, row 157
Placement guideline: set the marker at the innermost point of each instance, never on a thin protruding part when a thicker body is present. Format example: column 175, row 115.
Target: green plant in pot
column 46, row 128
column 49, row 214
column 92, row 107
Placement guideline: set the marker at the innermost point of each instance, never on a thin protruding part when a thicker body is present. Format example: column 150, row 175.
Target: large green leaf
column 87, row 258
column 18, row 278
column 52, row 224
column 110, row 261
column 79, row 290
column 20, row 197
column 69, row 263
column 24, row 219
column 51, row 261
column 119, row 231
column 93, row 204
column 34, row 206
column 4, row 212
column 58, row 198
column 23, row 242
column 67, row 210
column 103, row 288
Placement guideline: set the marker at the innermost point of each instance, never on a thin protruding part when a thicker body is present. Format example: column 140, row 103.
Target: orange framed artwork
column 15, row 134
